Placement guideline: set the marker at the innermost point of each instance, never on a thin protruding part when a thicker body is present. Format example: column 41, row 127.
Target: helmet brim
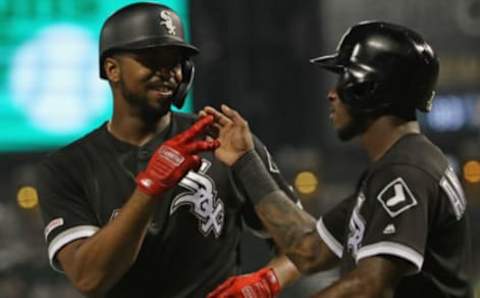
column 188, row 49
column 329, row 62
column 147, row 43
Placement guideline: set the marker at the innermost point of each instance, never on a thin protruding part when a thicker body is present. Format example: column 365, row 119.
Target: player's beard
column 148, row 113
column 357, row 125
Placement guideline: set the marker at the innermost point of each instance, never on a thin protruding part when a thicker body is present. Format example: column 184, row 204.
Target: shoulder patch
column 396, row 197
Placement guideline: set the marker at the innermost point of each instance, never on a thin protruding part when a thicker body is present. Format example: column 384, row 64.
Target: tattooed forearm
column 294, row 232
column 292, row 228
column 284, row 219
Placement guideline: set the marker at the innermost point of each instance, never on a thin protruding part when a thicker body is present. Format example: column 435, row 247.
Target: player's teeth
column 164, row 89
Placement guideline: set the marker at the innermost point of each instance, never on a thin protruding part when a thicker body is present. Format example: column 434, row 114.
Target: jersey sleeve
column 331, row 226
column 396, row 214
column 250, row 217
column 65, row 210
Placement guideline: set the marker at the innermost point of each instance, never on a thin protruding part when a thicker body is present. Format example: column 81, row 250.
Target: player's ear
column 112, row 69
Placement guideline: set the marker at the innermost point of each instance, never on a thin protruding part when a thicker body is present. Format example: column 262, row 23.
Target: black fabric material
column 192, row 243
column 253, row 175
column 410, row 205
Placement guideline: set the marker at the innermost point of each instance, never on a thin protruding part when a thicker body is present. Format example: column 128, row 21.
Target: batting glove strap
column 261, row 284
column 165, row 168
column 271, row 279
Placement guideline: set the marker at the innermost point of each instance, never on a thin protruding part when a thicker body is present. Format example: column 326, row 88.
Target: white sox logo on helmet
column 202, row 199
column 167, row 21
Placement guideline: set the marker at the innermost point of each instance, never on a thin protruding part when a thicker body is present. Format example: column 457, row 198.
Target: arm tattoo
column 292, row 229
column 285, row 221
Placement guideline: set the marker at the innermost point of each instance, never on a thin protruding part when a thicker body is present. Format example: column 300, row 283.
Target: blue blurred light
column 449, row 113
column 50, row 91
column 54, row 80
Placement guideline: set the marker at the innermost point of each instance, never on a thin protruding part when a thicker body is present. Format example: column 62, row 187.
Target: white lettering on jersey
column 452, row 187
column 396, row 197
column 53, row 224
column 167, row 21
column 356, row 226
column 202, row 199
column 272, row 166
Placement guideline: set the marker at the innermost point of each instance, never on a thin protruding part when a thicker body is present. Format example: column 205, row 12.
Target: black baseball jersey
column 192, row 243
column 409, row 205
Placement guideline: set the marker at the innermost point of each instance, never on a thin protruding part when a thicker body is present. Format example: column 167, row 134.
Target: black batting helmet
column 147, row 25
column 382, row 67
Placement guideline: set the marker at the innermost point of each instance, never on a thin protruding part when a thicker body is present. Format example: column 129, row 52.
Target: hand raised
column 233, row 133
column 174, row 158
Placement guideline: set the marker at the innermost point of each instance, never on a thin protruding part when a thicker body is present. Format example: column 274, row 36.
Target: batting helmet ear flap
column 360, row 95
column 357, row 86
column 356, row 94
column 188, row 72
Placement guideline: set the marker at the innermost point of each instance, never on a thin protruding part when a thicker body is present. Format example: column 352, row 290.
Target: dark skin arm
column 95, row 264
column 284, row 269
column 373, row 277
column 294, row 230
column 295, row 233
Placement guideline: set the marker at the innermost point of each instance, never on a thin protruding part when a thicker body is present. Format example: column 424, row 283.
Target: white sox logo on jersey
column 356, row 226
column 167, row 21
column 396, row 197
column 202, row 199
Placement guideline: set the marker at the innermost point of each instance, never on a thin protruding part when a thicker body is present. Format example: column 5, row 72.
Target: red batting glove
column 261, row 284
column 174, row 158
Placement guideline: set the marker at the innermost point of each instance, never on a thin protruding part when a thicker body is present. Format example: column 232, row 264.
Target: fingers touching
column 196, row 129
column 227, row 116
column 220, row 118
column 233, row 115
column 200, row 146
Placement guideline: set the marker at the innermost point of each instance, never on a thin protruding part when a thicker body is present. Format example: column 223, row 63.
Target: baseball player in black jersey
column 140, row 207
column 404, row 232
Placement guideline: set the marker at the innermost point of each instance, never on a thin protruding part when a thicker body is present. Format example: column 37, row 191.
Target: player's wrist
column 240, row 159
column 251, row 172
column 235, row 157
column 272, row 280
column 148, row 185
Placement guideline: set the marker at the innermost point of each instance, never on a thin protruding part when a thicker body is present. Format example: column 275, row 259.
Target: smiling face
column 147, row 79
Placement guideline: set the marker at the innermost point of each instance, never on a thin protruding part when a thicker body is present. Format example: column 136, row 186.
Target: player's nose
column 332, row 95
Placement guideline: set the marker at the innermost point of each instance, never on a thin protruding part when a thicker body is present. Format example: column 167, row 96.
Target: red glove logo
column 261, row 284
column 174, row 158
column 171, row 155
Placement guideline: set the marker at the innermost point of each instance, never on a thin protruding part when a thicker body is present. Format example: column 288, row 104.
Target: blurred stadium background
column 254, row 56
